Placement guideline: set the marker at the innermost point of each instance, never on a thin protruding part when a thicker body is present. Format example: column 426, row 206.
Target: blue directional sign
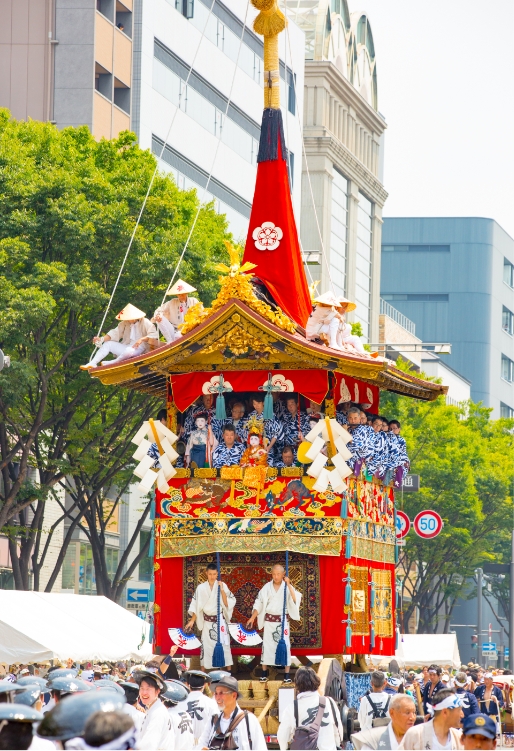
column 506, row 652
column 489, row 646
column 137, row 595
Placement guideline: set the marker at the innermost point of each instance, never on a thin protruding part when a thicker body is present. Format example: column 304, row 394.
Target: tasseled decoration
column 151, row 592
column 372, row 635
column 396, row 552
column 219, row 389
column 344, row 507
column 397, row 640
column 348, row 590
column 151, row 549
column 397, row 599
column 218, row 656
column 271, row 131
column 348, row 545
column 372, row 594
column 281, row 653
column 268, row 407
column 349, row 636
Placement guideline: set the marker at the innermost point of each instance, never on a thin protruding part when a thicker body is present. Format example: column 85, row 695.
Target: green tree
column 69, row 206
column 465, row 461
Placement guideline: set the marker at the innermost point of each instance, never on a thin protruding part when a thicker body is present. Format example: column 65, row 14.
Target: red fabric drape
column 349, row 389
column 313, row 384
column 281, row 268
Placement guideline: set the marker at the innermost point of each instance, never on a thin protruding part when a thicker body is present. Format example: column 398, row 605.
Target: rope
column 213, row 161
column 143, row 206
column 305, row 155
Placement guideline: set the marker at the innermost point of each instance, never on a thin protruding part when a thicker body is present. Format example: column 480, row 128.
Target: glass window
column 146, row 563
column 507, row 321
column 68, row 567
column 416, row 248
column 507, row 368
column 363, row 261
column 506, row 411
column 338, row 232
column 508, row 273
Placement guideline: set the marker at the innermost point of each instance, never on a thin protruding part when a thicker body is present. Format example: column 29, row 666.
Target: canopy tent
column 416, row 650
column 37, row 626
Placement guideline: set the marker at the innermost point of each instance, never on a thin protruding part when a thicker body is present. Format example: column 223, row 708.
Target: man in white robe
column 134, row 335
column 170, row 316
column 268, row 609
column 157, row 731
column 198, row 707
column 204, row 612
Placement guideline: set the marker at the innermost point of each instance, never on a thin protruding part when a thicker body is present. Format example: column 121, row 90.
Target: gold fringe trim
column 269, row 23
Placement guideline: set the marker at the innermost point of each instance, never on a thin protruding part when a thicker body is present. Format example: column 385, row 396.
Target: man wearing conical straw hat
column 126, row 339
column 171, row 315
column 323, row 322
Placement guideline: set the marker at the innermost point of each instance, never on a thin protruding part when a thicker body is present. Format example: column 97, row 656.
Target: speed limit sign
column 428, row 524
column 402, row 525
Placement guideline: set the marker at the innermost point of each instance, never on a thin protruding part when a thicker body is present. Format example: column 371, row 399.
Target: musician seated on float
column 295, row 424
column 229, row 451
column 236, row 419
column 287, row 459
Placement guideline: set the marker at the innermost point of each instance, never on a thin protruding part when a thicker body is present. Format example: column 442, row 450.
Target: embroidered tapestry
column 245, row 574
column 383, row 610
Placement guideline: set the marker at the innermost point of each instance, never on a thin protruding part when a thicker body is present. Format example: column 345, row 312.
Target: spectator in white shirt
column 374, row 705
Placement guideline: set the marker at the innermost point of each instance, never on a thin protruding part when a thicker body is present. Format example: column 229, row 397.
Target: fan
column 183, row 640
column 242, row 636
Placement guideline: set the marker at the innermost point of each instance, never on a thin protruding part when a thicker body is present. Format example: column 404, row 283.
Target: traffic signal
column 474, row 641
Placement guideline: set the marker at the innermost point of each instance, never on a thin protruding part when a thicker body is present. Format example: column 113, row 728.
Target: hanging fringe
column 372, row 637
column 272, row 129
column 218, row 656
column 349, row 636
column 397, row 599
column 348, row 594
column 372, row 594
column 221, row 412
column 344, row 507
column 268, row 407
column 397, row 640
column 348, row 546
column 281, row 653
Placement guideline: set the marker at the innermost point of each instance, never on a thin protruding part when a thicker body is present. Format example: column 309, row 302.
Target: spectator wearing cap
column 478, row 732
column 440, row 732
column 469, row 701
column 132, row 701
column 402, row 709
column 432, row 686
column 244, row 726
column 182, row 723
column 16, row 725
column 489, row 697
column 156, row 729
column 198, row 706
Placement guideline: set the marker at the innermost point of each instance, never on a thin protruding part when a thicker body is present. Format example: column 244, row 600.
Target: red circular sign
column 402, row 525
column 428, row 524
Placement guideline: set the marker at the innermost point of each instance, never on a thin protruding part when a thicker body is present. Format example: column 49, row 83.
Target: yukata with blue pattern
column 361, row 445
column 398, row 460
column 239, row 425
column 377, row 463
column 292, row 427
column 222, row 456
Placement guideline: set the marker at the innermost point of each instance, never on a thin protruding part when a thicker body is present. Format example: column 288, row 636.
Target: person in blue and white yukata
column 229, row 451
column 237, row 419
column 295, row 424
column 377, row 462
column 362, row 440
column 399, row 461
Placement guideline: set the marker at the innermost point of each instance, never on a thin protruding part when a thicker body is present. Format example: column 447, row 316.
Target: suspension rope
column 143, row 206
column 305, row 154
column 213, row 160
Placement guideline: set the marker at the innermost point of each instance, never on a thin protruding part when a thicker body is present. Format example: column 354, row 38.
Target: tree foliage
column 465, row 462
column 68, row 207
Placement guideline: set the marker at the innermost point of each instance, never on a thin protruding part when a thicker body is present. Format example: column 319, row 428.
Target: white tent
column 416, row 650
column 37, row 626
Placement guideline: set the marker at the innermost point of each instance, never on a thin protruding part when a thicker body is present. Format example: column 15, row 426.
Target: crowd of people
column 442, row 708
column 247, row 438
column 162, row 705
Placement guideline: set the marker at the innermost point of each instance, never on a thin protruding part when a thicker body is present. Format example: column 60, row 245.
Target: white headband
column 451, row 702
column 488, row 675
column 394, row 681
column 464, row 683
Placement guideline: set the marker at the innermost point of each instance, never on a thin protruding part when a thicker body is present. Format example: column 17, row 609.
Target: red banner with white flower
column 186, row 388
column 349, row 389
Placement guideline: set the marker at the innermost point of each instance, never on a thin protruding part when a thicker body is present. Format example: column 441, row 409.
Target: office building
column 342, row 190
column 68, row 62
column 454, row 277
column 210, row 117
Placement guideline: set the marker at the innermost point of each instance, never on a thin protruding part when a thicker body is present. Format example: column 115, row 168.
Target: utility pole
column 511, row 624
column 479, row 574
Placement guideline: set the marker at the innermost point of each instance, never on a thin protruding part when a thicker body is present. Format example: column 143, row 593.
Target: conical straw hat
column 349, row 305
column 130, row 313
column 181, row 288
column 328, row 298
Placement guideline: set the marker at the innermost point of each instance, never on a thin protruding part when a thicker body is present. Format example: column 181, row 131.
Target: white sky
column 446, row 88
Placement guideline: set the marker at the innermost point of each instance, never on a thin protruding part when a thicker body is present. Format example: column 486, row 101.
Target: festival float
column 338, row 529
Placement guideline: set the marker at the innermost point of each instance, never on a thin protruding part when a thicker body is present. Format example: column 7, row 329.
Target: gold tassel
column 263, row 4
column 269, row 23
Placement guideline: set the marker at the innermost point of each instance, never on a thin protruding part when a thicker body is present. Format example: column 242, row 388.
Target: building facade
column 68, row 62
column 209, row 117
column 454, row 277
column 342, row 190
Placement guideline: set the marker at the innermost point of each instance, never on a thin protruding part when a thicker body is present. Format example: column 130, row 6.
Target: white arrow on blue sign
column 137, row 595
column 489, row 646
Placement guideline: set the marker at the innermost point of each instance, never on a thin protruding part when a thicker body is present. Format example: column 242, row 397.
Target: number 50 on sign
column 428, row 524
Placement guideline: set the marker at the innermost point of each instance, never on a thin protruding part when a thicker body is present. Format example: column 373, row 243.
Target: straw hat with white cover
column 181, row 288
column 130, row 313
column 327, row 298
column 348, row 304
